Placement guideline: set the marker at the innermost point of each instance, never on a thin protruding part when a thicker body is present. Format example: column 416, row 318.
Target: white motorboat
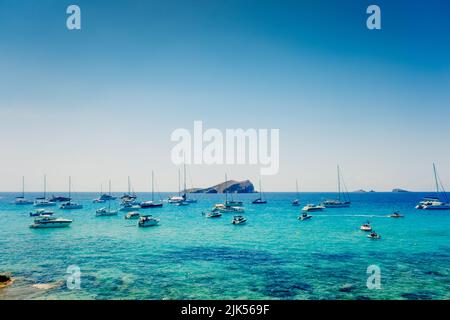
column 304, row 216
column 366, row 227
column 21, row 200
column 147, row 221
column 342, row 201
column 214, row 214
column 396, row 214
column 50, row 222
column 312, row 207
column 374, row 235
column 132, row 215
column 435, row 203
column 41, row 212
column 238, row 220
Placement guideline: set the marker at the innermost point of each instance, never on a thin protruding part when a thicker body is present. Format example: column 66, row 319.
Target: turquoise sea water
column 273, row 256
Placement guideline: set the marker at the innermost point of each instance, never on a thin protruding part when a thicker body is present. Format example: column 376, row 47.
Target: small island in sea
column 399, row 190
column 230, row 186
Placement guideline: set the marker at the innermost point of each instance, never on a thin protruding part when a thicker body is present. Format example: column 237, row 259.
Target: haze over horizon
column 101, row 103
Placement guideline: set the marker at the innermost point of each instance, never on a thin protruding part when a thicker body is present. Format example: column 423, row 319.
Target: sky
column 101, row 103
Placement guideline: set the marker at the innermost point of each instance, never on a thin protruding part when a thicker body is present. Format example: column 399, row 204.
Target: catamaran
column 21, row 200
column 435, row 203
column 69, row 205
column 102, row 212
column 152, row 203
column 43, row 201
column 296, row 201
column 342, row 201
column 260, row 199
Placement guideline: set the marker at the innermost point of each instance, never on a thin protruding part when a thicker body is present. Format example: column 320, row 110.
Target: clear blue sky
column 102, row 102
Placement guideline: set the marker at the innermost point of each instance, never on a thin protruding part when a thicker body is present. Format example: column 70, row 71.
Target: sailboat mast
column 179, row 183
column 260, row 190
column 436, row 180
column 70, row 184
column 226, row 189
column 23, row 186
column 152, row 187
column 109, row 198
column 185, row 180
column 339, row 184
column 129, row 185
column 45, row 186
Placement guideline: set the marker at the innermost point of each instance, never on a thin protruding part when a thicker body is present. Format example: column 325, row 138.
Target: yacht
column 436, row 203
column 214, row 214
column 374, row 235
column 296, row 201
column 152, row 203
column 227, row 208
column 259, row 200
column 342, row 201
column 178, row 198
column 132, row 215
column 102, row 198
column 107, row 211
column 50, row 222
column 69, row 205
column 147, row 221
column 59, row 198
column 238, row 220
column 43, row 201
column 41, row 212
column 129, row 197
column 396, row 214
column 21, row 200
column 312, row 207
column 127, row 207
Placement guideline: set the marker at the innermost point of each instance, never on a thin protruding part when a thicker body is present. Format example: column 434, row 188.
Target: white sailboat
column 43, row 201
column 342, row 201
column 259, row 200
column 102, row 212
column 69, row 205
column 185, row 194
column 228, row 206
column 435, row 203
column 21, row 200
column 129, row 197
column 296, row 201
column 179, row 198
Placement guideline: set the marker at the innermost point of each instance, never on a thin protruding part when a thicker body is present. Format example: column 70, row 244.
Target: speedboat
column 105, row 212
column 147, row 221
column 214, row 214
column 50, row 222
column 41, row 212
column 396, row 214
column 42, row 202
column 312, row 207
column 150, row 204
column 129, row 207
column 374, row 235
column 366, row 227
column 305, row 216
column 296, row 202
column 71, row 206
column 132, row 215
column 238, row 220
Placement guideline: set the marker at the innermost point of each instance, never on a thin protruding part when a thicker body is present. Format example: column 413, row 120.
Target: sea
column 189, row 256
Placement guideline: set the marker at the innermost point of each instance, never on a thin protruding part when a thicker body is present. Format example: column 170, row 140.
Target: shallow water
column 273, row 256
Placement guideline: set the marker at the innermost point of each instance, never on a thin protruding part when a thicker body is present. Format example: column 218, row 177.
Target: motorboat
column 343, row 199
column 105, row 212
column 21, row 200
column 71, row 206
column 214, row 214
column 304, row 216
column 374, row 235
column 366, row 227
column 147, row 221
column 50, row 222
column 238, row 220
column 396, row 214
column 435, row 203
column 132, row 215
column 312, row 207
column 41, row 212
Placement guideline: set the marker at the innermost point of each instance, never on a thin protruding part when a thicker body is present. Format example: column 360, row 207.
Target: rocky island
column 230, row 186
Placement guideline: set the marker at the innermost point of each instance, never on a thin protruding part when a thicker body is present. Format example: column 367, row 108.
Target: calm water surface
column 273, row 256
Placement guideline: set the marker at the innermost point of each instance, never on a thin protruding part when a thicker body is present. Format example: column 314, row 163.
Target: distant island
column 362, row 190
column 399, row 190
column 230, row 186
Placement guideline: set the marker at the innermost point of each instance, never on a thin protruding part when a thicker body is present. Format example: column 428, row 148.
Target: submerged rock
column 5, row 280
